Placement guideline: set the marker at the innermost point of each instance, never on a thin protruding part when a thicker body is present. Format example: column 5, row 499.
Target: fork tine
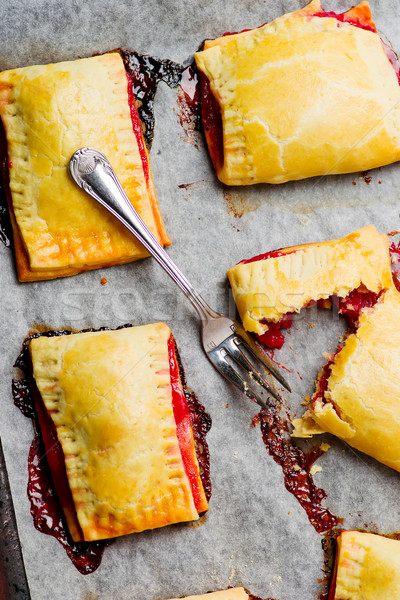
column 251, row 346
column 233, row 376
column 239, row 357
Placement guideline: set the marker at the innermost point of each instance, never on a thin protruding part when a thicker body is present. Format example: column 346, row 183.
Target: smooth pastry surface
column 301, row 96
column 367, row 567
column 109, row 395
column 48, row 112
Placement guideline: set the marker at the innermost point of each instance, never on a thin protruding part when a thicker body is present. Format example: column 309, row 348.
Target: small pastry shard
column 311, row 93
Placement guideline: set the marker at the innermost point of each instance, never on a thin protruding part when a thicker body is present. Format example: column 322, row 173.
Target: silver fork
column 228, row 346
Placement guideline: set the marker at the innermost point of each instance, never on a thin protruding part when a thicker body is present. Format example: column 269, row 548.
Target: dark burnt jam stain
column 366, row 177
column 189, row 106
column 5, row 224
column 146, row 73
column 296, row 464
column 46, row 511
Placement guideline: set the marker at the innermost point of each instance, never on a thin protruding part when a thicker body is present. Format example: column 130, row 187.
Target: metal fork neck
column 94, row 174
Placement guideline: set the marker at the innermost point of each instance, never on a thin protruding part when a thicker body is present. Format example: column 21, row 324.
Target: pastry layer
column 266, row 290
column 48, row 112
column 110, row 397
column 361, row 402
column 231, row 594
column 367, row 567
column 299, row 97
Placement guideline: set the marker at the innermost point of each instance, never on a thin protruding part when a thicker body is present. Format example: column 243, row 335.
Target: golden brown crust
column 291, row 92
column 58, row 229
column 110, row 398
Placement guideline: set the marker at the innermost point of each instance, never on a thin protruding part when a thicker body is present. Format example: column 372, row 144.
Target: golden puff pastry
column 231, row 594
column 113, row 400
column 367, row 567
column 308, row 94
column 357, row 394
column 48, row 112
column 285, row 281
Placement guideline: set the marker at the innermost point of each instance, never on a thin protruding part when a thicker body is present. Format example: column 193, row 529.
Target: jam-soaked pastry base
column 367, row 567
column 284, row 101
column 48, row 111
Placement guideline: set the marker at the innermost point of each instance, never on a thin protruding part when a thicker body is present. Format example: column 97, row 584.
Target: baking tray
column 256, row 533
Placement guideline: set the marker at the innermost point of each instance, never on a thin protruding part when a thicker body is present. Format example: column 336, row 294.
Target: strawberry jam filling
column 184, row 430
column 359, row 16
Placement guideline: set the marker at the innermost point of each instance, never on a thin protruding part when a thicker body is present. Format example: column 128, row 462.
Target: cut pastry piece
column 48, row 112
column 117, row 430
column 231, row 594
column 270, row 286
column 357, row 395
column 367, row 567
column 311, row 93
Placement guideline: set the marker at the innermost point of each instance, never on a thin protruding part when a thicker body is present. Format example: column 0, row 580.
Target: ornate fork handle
column 92, row 172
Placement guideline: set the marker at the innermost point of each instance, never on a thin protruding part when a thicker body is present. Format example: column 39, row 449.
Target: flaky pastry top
column 110, row 398
column 302, row 96
column 48, row 112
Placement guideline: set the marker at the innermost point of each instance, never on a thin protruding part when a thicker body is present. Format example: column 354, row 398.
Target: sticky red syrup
column 46, row 510
column 296, row 464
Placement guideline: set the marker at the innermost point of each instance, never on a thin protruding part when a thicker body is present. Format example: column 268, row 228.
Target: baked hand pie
column 311, row 93
column 48, row 112
column 367, row 567
column 357, row 394
column 230, row 594
column 117, row 431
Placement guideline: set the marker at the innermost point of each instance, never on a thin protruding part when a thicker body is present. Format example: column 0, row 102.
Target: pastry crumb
column 324, row 447
column 315, row 469
column 103, row 281
column 307, row 401
column 296, row 467
column 312, row 324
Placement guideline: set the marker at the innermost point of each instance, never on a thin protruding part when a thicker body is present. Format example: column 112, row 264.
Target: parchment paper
column 256, row 534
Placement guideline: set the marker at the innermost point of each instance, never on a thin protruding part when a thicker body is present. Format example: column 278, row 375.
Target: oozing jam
column 350, row 307
column 296, row 464
column 184, row 428
column 46, row 510
column 210, row 108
